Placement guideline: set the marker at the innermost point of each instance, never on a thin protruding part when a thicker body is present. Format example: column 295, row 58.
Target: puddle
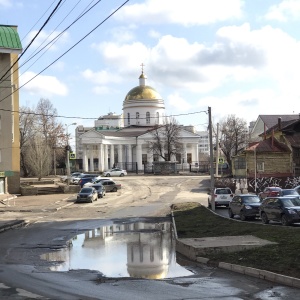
column 128, row 249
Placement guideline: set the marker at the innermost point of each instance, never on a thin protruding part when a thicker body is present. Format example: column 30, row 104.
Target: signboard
column 72, row 155
column 221, row 160
column 6, row 173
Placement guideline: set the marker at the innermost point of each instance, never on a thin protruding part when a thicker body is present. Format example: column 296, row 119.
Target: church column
column 139, row 157
column 101, row 158
column 129, row 157
column 112, row 156
column 105, row 157
column 92, row 159
column 196, row 147
column 184, row 154
column 120, row 159
column 84, row 159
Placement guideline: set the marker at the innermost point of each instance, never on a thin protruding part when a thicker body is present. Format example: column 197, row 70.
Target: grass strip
column 196, row 221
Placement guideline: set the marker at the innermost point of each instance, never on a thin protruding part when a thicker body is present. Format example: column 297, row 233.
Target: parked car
column 111, row 186
column 288, row 192
column 83, row 175
column 85, row 180
column 222, row 196
column 88, row 194
column 271, row 191
column 115, row 172
column 297, row 189
column 282, row 209
column 245, row 206
column 64, row 178
column 100, row 189
column 95, row 181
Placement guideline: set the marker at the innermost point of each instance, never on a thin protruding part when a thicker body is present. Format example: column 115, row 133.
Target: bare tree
column 41, row 121
column 233, row 136
column 166, row 140
column 39, row 157
column 27, row 132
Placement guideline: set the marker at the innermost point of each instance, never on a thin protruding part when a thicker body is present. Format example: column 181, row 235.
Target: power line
column 96, row 118
column 45, row 23
column 55, row 39
column 84, row 37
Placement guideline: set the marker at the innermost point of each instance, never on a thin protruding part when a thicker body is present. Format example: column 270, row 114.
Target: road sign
column 221, row 160
column 72, row 155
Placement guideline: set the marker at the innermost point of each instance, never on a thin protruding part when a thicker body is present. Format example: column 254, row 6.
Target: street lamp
column 68, row 153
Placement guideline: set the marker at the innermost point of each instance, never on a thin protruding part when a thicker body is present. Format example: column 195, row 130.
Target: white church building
column 123, row 140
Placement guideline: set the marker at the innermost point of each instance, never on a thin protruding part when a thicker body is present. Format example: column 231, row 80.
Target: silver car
column 115, row 172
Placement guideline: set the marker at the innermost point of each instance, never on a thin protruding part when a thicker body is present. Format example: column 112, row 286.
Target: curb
column 262, row 274
column 13, row 225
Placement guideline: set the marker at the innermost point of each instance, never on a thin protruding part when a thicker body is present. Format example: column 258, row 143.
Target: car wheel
column 230, row 213
column 264, row 218
column 114, row 189
column 122, row 174
column 107, row 175
column 285, row 221
column 242, row 216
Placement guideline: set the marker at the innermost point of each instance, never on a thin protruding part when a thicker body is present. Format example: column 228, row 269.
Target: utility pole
column 68, row 153
column 217, row 151
column 211, row 152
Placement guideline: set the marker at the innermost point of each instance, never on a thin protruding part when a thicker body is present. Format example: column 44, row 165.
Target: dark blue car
column 86, row 179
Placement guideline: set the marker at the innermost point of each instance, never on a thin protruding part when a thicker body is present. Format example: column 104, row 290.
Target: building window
column 155, row 157
column 144, row 159
column 260, row 166
column 128, row 118
column 137, row 116
column 240, row 163
column 157, row 118
column 147, row 117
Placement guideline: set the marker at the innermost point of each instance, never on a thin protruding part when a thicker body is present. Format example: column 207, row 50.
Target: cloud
column 286, row 10
column 6, row 3
column 123, row 56
column 175, row 100
column 102, row 77
column 187, row 13
column 42, row 85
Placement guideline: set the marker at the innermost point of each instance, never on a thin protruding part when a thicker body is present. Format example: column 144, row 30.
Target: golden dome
column 145, row 92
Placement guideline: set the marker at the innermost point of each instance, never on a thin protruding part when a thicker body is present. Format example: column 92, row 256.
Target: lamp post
column 68, row 153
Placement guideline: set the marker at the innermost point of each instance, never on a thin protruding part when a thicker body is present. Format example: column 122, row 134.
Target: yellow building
column 10, row 48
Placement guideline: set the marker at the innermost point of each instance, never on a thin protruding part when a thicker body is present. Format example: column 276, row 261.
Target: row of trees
column 42, row 139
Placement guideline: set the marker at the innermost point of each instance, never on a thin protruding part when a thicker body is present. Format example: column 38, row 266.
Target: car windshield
column 223, row 191
column 289, row 192
column 86, row 190
column 290, row 202
column 251, row 199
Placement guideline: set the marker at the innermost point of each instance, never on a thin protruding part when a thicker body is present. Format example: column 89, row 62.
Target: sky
column 238, row 57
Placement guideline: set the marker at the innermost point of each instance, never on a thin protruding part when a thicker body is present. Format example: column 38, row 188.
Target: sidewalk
column 12, row 207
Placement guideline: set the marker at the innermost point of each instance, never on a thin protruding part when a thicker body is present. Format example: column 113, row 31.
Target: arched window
column 137, row 117
column 157, row 118
column 147, row 117
column 128, row 118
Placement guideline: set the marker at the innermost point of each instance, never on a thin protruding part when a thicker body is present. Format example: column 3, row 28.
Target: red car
column 271, row 191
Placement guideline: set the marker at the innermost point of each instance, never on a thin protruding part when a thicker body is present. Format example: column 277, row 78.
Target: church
column 123, row 140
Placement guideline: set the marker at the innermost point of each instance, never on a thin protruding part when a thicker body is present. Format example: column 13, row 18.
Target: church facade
column 123, row 140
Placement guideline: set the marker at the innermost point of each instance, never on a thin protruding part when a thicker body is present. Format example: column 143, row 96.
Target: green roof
column 9, row 39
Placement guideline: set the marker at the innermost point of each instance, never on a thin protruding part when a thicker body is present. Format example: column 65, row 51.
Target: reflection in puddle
column 131, row 249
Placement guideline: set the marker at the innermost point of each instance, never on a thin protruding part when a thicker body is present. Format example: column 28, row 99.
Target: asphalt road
column 24, row 275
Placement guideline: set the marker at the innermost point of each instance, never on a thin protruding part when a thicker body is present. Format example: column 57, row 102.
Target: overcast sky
column 238, row 57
